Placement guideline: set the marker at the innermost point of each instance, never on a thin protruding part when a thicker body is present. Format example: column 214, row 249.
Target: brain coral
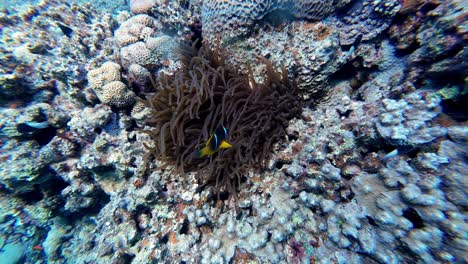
column 116, row 94
column 108, row 72
column 137, row 53
column 106, row 84
column 233, row 17
column 135, row 29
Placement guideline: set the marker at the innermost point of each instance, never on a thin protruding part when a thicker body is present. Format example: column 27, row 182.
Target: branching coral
column 207, row 93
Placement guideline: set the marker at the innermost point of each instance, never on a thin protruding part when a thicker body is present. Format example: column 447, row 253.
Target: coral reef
column 371, row 171
column 311, row 51
column 49, row 121
column 367, row 18
column 105, row 82
column 141, row 6
column 232, row 18
column 139, row 74
column 279, row 221
column 131, row 37
column 314, row 51
column 116, row 94
column 398, row 205
column 134, row 29
column 206, row 94
column 407, row 121
column 144, row 49
column 177, row 16
column 108, row 72
column 60, row 40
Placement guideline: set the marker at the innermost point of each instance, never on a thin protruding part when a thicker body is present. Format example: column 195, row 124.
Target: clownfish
column 216, row 142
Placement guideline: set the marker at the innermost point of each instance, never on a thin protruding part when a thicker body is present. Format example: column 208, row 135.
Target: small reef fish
column 216, row 142
column 356, row 43
column 32, row 126
column 398, row 151
column 67, row 31
column 38, row 248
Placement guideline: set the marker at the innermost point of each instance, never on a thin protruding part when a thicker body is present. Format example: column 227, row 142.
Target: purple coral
column 297, row 251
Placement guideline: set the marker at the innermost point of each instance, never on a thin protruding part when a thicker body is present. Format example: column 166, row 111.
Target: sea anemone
column 206, row 93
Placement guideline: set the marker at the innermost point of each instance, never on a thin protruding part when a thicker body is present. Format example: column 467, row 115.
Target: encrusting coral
column 205, row 94
column 233, row 18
